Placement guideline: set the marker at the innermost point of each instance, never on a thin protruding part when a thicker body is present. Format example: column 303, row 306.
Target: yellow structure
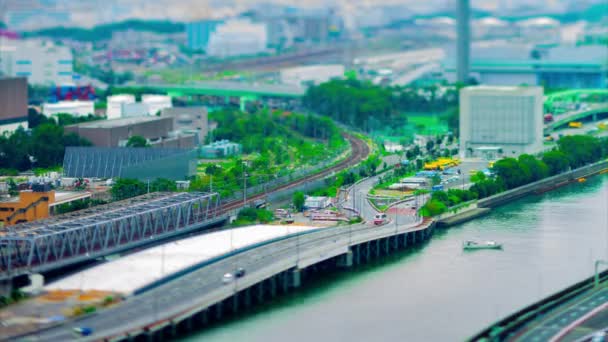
column 30, row 206
column 441, row 164
column 575, row 124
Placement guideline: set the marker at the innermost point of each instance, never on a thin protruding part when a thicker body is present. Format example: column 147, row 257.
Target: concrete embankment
column 543, row 185
column 463, row 216
column 484, row 206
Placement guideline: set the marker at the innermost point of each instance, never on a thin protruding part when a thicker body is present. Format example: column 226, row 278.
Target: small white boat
column 468, row 245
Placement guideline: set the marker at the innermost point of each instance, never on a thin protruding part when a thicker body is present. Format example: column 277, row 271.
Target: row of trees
column 124, row 188
column 571, row 152
column 367, row 106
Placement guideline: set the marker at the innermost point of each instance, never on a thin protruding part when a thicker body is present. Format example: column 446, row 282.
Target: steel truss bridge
column 95, row 232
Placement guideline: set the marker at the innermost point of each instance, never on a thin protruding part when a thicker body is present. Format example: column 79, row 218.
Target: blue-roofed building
column 572, row 67
column 198, row 33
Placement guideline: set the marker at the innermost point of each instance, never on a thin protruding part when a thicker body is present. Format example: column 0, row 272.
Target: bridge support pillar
column 285, row 281
column 404, row 240
column 346, row 260
column 273, row 287
column 358, row 255
column 247, row 300
column 235, row 302
column 260, row 292
column 377, row 248
column 219, row 308
column 173, row 329
column 296, row 278
column 594, row 117
column 204, row 317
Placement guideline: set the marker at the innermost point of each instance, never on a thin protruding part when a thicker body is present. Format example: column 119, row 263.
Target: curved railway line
column 360, row 151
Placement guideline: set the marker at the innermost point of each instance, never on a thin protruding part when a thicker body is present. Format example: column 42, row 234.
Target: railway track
column 360, row 151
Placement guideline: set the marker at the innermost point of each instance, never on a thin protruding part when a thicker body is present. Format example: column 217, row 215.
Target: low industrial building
column 74, row 108
column 189, row 120
column 115, row 103
column 158, row 131
column 500, row 121
column 219, row 149
column 311, row 74
column 13, row 104
column 138, row 163
column 316, row 202
column 31, row 205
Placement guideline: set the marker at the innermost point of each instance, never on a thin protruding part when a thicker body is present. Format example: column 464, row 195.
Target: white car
column 227, row 278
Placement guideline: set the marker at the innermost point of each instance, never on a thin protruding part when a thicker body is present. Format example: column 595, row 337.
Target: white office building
column 311, row 74
column 156, row 103
column 115, row 103
column 236, row 38
column 41, row 62
column 74, row 108
column 498, row 121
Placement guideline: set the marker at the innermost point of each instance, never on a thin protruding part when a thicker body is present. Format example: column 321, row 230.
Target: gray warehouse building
column 121, row 162
column 159, row 131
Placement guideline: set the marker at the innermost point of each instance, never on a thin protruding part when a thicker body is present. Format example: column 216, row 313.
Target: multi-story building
column 42, row 63
column 198, row 33
column 238, row 37
column 500, row 121
column 156, row 103
column 189, row 120
column 13, row 104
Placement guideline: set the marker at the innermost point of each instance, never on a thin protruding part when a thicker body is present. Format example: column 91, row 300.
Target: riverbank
column 484, row 206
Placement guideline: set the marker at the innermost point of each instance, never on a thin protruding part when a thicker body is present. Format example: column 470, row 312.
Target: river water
column 437, row 291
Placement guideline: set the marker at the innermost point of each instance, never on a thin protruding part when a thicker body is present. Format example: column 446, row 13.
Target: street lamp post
column 596, row 275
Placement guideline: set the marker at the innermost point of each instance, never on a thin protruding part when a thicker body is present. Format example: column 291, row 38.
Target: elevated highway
column 594, row 113
column 194, row 299
column 572, row 314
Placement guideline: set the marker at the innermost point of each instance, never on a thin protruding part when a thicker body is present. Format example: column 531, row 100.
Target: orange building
column 31, row 205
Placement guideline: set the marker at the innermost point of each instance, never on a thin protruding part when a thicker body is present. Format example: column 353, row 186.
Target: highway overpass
column 572, row 314
column 246, row 92
column 594, row 113
column 197, row 297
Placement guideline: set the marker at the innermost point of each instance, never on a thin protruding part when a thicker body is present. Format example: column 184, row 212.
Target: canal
column 437, row 291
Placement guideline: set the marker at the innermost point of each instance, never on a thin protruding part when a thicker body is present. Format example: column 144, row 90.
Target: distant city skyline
column 88, row 13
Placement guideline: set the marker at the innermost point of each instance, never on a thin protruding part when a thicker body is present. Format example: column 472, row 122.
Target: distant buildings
column 125, row 106
column 236, row 38
column 189, row 120
column 13, row 104
column 115, row 104
column 500, row 121
column 74, row 108
column 198, row 33
column 220, row 149
column 113, row 133
column 553, row 67
column 42, row 63
column 311, row 74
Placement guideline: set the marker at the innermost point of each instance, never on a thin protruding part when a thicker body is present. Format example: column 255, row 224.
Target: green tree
column 298, row 200
column 124, row 188
column 137, row 141
column 580, row 149
column 556, row 161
